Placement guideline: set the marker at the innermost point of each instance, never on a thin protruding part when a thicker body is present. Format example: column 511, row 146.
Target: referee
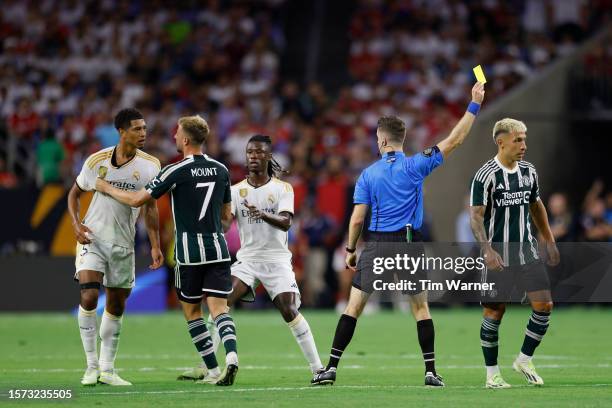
column 393, row 188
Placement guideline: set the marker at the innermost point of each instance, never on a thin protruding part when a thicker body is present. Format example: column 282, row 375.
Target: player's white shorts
column 276, row 277
column 114, row 261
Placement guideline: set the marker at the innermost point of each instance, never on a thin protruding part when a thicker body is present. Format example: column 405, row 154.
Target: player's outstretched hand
column 493, row 260
column 351, row 261
column 158, row 258
column 553, row 254
column 478, row 92
column 80, row 231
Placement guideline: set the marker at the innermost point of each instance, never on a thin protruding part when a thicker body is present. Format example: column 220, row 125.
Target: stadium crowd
column 67, row 66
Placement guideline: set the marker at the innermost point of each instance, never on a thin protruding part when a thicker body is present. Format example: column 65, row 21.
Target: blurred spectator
column 560, row 218
column 7, row 179
column 463, row 229
column 593, row 221
column 49, row 157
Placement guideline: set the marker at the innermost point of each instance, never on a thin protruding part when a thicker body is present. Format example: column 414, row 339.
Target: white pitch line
column 309, row 388
column 301, row 367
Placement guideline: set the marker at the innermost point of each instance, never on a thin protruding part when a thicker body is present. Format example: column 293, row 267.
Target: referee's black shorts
column 388, row 245
column 193, row 281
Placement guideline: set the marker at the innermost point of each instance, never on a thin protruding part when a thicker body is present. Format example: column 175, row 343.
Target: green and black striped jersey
column 199, row 186
column 507, row 194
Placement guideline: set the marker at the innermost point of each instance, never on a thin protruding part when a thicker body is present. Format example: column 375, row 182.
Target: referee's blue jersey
column 393, row 188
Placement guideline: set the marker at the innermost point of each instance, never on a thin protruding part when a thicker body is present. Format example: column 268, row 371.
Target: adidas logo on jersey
column 500, row 186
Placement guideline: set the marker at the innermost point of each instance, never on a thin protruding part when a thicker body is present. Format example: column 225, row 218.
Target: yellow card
column 480, row 76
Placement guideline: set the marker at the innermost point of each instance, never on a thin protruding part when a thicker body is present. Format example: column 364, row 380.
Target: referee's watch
column 350, row 250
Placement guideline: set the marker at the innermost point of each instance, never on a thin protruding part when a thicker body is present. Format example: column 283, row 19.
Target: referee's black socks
column 342, row 338
column 426, row 333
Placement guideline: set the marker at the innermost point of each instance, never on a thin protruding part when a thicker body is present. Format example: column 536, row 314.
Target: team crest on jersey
column 526, row 181
column 102, row 172
column 243, row 192
column 136, row 175
column 271, row 199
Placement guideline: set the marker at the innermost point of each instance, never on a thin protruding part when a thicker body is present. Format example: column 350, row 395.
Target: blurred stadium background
column 315, row 75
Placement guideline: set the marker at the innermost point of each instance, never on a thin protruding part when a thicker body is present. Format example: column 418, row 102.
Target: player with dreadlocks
column 262, row 205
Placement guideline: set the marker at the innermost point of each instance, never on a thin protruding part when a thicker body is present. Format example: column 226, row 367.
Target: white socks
column 109, row 334
column 301, row 331
column 523, row 358
column 88, row 327
column 492, row 370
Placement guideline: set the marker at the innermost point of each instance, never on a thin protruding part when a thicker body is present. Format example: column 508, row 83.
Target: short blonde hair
column 508, row 125
column 196, row 127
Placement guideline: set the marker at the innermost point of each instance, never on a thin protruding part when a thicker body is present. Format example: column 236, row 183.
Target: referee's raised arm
column 462, row 128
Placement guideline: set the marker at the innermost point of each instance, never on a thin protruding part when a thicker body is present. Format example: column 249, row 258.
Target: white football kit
column 264, row 255
column 112, row 224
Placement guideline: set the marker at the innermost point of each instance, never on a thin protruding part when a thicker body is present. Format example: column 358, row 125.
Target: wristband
column 349, row 250
column 473, row 108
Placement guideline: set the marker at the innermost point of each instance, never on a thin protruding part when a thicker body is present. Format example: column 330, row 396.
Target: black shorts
column 193, row 281
column 512, row 282
column 387, row 245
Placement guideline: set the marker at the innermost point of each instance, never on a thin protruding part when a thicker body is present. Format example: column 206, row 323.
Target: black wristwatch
column 349, row 250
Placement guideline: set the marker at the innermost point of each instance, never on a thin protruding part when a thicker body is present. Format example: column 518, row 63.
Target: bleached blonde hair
column 508, row 125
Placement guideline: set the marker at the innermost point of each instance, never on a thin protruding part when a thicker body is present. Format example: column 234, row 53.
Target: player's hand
column 478, row 92
column 254, row 212
column 80, row 231
column 553, row 254
column 351, row 261
column 158, row 258
column 493, row 260
column 101, row 185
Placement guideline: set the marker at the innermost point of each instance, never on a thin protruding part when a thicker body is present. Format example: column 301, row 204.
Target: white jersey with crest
column 260, row 241
column 108, row 219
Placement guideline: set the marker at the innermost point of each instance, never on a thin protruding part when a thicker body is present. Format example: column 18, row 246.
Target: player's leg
column 119, row 280
column 188, row 282
column 426, row 335
column 542, row 305
column 287, row 305
column 110, row 329
column 343, row 336
column 239, row 290
column 217, row 285
column 489, row 336
column 90, row 283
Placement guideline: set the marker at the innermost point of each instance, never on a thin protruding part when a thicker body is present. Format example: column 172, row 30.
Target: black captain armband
column 430, row 151
column 90, row 285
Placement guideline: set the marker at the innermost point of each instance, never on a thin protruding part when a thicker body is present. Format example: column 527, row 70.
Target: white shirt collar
column 504, row 168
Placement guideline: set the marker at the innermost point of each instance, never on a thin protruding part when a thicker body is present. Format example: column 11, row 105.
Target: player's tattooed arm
column 281, row 221
column 355, row 226
column 462, row 128
column 152, row 224
column 74, row 205
column 492, row 259
column 133, row 199
column 540, row 219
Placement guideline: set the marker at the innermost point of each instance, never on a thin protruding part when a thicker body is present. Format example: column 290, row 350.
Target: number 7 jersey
column 198, row 186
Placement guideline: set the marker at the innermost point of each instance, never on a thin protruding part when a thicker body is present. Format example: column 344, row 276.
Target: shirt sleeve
column 479, row 190
column 86, row 180
column 362, row 192
column 535, row 188
column 285, row 202
column 165, row 181
column 426, row 161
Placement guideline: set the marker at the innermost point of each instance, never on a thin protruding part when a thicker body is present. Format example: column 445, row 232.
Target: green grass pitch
column 382, row 366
